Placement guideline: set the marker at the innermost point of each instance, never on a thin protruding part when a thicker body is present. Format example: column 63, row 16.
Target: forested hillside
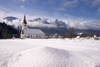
column 7, row 31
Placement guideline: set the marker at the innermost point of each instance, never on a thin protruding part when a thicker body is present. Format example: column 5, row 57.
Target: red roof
column 24, row 21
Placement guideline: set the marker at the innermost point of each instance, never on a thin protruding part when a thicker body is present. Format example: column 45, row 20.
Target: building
column 30, row 33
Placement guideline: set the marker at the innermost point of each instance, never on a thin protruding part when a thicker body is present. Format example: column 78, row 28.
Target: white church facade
column 30, row 33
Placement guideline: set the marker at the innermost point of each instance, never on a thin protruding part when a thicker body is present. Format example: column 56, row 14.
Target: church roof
column 24, row 21
column 33, row 31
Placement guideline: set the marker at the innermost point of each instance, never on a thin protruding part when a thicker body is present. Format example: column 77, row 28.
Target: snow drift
column 49, row 53
column 49, row 57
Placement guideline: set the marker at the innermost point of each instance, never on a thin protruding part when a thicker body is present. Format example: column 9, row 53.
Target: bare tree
column 71, row 33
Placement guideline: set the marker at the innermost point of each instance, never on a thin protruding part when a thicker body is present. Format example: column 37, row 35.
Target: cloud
column 41, row 1
column 96, row 3
column 92, row 3
column 77, row 24
column 47, row 1
column 69, row 3
column 61, row 9
column 19, row 14
column 74, row 18
column 91, row 24
column 82, row 11
column 2, row 14
column 21, row 6
column 23, row 0
column 51, row 24
column 70, row 16
column 98, row 11
column 41, row 24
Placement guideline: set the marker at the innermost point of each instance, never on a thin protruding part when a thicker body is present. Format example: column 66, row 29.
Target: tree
column 71, row 33
column 63, row 34
column 1, row 34
column 6, row 31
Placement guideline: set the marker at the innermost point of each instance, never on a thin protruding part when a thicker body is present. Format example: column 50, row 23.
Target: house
column 95, row 37
column 78, row 37
column 30, row 33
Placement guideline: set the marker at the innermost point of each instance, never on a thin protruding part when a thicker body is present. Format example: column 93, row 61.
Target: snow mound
column 45, row 57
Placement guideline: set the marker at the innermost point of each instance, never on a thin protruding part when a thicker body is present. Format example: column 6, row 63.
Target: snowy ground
column 49, row 53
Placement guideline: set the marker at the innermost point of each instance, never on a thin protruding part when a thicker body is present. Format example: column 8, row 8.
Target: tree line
column 72, row 34
column 7, row 31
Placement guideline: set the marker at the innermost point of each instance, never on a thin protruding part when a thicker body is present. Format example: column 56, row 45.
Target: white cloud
column 98, row 11
column 41, row 24
column 69, row 3
column 92, row 3
column 77, row 24
column 90, row 24
column 19, row 15
column 21, row 6
column 70, row 16
column 23, row 0
column 96, row 3
column 2, row 14
column 48, row 1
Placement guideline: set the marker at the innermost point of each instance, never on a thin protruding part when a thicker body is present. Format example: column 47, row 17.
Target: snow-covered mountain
column 55, row 25
column 46, row 22
column 10, row 18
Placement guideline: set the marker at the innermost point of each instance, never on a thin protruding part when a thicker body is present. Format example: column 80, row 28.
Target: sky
column 51, row 9
column 76, row 12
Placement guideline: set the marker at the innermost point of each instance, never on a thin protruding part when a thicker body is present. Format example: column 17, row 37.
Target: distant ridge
column 56, row 25
column 10, row 18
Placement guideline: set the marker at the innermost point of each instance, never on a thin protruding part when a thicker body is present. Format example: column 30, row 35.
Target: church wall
column 29, row 35
column 32, row 36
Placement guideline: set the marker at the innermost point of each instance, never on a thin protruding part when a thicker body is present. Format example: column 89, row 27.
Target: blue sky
column 51, row 9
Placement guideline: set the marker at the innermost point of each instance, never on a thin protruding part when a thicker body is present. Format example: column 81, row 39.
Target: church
column 30, row 33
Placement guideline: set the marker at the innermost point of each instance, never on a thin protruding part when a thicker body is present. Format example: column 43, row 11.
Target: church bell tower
column 24, row 24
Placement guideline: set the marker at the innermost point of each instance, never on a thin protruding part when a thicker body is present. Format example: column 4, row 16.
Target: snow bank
column 49, row 53
column 50, row 57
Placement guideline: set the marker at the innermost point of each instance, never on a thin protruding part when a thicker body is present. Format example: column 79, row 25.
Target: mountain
column 37, row 19
column 48, row 26
column 10, row 18
column 56, row 26
column 86, row 31
column 59, row 27
column 48, row 23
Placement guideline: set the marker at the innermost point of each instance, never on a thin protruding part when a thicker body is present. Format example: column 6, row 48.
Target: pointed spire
column 24, row 21
column 24, row 17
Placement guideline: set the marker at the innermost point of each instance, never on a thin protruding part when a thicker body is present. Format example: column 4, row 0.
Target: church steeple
column 24, row 21
column 24, row 24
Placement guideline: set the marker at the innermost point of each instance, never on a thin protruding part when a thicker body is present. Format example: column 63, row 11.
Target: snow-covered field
column 49, row 53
